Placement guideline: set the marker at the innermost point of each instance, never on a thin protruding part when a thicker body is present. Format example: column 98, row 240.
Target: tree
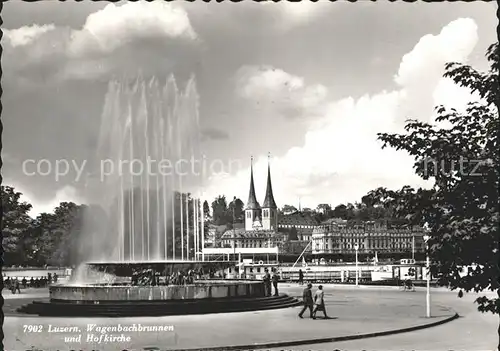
column 66, row 229
column 324, row 208
column 36, row 246
column 219, row 210
column 15, row 224
column 237, row 206
column 287, row 209
column 462, row 207
column 340, row 211
column 206, row 209
column 350, row 211
column 54, row 239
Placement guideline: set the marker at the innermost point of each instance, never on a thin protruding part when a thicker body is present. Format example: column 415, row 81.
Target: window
column 249, row 215
column 258, row 269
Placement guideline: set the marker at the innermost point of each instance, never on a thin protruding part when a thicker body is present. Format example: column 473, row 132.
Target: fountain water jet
column 146, row 133
column 163, row 128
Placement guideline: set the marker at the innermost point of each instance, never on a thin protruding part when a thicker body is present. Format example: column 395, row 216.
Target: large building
column 299, row 224
column 335, row 236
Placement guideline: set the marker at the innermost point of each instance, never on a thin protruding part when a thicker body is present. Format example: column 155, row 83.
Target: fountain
column 148, row 229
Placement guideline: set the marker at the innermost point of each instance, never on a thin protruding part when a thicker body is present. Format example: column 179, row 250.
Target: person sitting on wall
column 32, row 282
column 55, row 278
column 134, row 279
column 182, row 279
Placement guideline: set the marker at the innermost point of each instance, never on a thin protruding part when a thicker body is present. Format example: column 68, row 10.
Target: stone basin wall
column 199, row 290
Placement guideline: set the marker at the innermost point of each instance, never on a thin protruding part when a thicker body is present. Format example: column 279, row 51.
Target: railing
column 364, row 276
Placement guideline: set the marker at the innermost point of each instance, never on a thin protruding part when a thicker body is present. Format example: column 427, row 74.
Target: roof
column 239, row 225
column 242, row 233
column 298, row 218
column 334, row 221
column 217, row 228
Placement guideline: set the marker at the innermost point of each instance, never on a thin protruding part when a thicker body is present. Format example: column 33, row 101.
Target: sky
column 310, row 83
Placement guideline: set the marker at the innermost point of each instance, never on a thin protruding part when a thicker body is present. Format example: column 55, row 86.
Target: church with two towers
column 261, row 221
column 263, row 217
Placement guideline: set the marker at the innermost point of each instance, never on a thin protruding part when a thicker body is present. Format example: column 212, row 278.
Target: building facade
column 299, row 224
column 335, row 236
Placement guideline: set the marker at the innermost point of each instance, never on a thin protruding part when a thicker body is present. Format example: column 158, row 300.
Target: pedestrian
column 301, row 277
column 17, row 286
column 307, row 300
column 319, row 302
column 267, row 282
column 276, row 279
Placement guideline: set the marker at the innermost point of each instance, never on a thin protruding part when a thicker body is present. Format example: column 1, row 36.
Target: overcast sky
column 310, row 83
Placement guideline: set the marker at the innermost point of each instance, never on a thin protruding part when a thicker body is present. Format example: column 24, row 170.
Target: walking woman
column 319, row 302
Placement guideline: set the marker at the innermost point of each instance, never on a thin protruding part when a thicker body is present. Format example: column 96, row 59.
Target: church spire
column 269, row 199
column 252, row 203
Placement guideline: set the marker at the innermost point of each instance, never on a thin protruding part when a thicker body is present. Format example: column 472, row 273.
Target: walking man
column 307, row 299
column 319, row 302
column 301, row 277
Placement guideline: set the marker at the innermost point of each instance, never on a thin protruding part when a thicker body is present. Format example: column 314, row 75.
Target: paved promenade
column 473, row 331
column 354, row 312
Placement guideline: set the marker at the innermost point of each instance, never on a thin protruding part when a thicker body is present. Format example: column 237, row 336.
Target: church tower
column 252, row 211
column 269, row 208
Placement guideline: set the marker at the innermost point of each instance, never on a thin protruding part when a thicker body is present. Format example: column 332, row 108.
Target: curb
column 368, row 287
column 325, row 340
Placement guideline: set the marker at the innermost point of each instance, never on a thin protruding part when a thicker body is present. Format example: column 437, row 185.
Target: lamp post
column 356, row 248
column 428, row 266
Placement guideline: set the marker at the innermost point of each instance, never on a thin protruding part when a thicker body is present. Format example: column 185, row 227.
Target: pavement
column 30, row 293
column 354, row 311
column 472, row 331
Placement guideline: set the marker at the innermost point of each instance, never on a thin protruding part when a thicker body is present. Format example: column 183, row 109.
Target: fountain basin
column 95, row 298
column 208, row 289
